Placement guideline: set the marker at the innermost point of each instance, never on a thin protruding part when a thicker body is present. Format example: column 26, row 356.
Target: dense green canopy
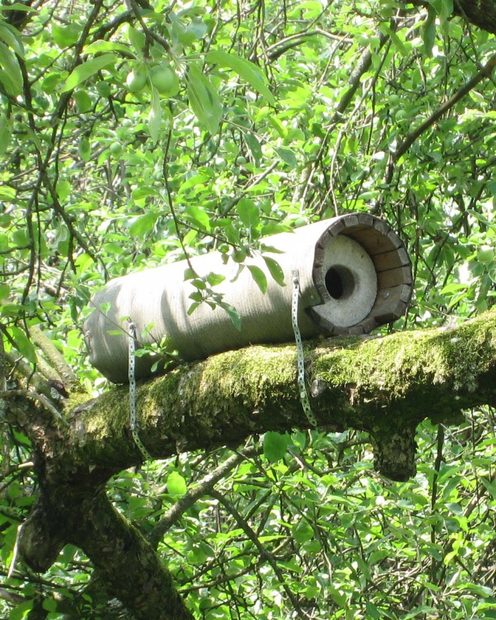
column 136, row 133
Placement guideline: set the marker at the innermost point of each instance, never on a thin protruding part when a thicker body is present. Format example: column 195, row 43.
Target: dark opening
column 340, row 282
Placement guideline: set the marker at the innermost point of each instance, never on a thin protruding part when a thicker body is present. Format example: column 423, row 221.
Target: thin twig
column 262, row 550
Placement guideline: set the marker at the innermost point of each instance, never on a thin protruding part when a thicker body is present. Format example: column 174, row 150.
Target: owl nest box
column 354, row 275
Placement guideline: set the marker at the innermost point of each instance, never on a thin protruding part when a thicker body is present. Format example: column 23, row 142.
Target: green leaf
column 21, row 611
column 272, row 228
column 275, row 445
column 288, row 156
column 65, row 36
column 5, row 134
column 398, row 43
column 64, row 189
column 275, row 270
column 143, row 225
column 259, row 277
column 83, row 72
column 176, row 484
column 303, row 531
column 246, row 70
column 215, row 278
column 200, row 216
column 429, row 32
column 248, row 212
column 50, row 604
column 193, row 307
column 10, row 36
column 136, row 38
column 7, row 193
column 23, row 344
column 10, row 72
column 155, row 115
column 444, row 8
column 338, row 597
column 83, row 101
column 107, row 46
column 204, row 99
column 17, row 6
column 20, row 237
column 254, row 146
column 479, row 590
column 278, row 126
column 85, row 148
column 52, row 81
column 233, row 315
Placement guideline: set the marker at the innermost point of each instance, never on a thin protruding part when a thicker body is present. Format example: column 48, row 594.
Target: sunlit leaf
column 246, row 69
column 204, row 99
column 199, row 215
column 83, row 72
column 155, row 115
column 259, row 277
column 23, row 344
column 176, row 484
column 275, row 270
column 10, row 36
column 143, row 225
column 10, row 72
column 65, row 36
column 248, row 212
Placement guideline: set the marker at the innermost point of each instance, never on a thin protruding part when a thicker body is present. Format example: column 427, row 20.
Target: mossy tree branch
column 373, row 384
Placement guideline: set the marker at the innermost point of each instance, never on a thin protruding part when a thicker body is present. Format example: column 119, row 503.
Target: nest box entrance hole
column 340, row 282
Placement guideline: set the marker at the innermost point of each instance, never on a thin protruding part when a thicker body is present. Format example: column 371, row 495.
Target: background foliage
column 133, row 134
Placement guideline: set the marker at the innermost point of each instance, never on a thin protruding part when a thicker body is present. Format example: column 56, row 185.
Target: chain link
column 300, row 360
column 133, row 420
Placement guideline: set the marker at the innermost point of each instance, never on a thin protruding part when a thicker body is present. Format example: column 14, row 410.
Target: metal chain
column 300, row 360
column 133, row 420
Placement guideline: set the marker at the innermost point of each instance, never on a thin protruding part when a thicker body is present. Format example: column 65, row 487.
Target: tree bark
column 384, row 385
column 480, row 13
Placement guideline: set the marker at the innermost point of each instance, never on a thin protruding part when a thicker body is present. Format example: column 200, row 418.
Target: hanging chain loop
column 133, row 420
column 300, row 360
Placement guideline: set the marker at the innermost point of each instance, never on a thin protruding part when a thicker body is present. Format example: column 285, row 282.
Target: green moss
column 399, row 362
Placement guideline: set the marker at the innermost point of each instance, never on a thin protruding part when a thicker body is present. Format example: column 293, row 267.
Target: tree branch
column 128, row 564
column 485, row 72
column 355, row 383
column 244, row 525
column 480, row 13
column 200, row 489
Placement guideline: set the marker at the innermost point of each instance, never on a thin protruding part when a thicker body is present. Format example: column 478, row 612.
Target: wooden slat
column 372, row 241
column 391, row 303
column 394, row 277
column 390, row 260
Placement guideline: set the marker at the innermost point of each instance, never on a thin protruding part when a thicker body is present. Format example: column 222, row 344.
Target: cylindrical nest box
column 354, row 275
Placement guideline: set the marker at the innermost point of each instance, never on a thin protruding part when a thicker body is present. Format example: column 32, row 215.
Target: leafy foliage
column 136, row 134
